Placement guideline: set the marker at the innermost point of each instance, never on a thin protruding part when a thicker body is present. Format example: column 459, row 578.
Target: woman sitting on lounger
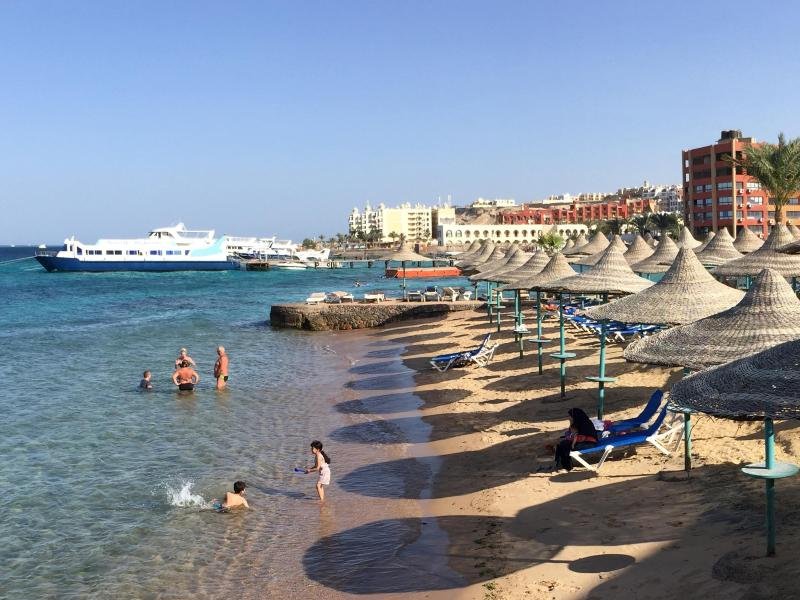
column 581, row 434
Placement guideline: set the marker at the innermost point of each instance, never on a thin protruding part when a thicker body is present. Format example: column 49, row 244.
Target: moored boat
column 165, row 249
column 422, row 272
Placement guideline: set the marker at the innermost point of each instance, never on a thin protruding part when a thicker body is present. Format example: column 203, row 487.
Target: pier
column 356, row 315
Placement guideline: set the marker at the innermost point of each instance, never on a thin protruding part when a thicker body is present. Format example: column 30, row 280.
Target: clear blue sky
column 262, row 118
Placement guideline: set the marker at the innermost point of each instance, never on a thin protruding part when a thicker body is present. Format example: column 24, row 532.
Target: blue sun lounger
column 649, row 411
column 479, row 356
column 650, row 435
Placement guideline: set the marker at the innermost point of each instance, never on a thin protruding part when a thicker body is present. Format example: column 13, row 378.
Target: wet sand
column 641, row 529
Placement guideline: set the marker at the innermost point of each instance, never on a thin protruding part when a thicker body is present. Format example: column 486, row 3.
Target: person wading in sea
column 221, row 368
column 185, row 377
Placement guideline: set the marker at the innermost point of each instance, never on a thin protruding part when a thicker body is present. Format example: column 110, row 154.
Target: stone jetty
column 355, row 315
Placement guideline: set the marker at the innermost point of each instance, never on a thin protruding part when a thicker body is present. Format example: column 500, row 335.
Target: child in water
column 322, row 464
column 145, row 383
column 232, row 499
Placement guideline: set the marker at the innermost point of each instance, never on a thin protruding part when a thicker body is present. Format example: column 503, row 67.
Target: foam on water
column 184, row 498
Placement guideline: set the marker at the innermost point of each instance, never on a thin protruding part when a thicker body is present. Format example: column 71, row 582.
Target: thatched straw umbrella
column 651, row 241
column 660, row 260
column 473, row 248
column 570, row 244
column 765, row 386
column 768, row 314
column 598, row 243
column 580, row 242
column 403, row 255
column 746, row 241
column 532, row 266
column 706, row 240
column 556, row 268
column 512, row 261
column 766, row 257
column 638, row 250
column 480, row 257
column 594, row 258
column 485, row 271
column 611, row 275
column 794, row 230
column 719, row 250
column 686, row 293
column 496, row 259
column 686, row 239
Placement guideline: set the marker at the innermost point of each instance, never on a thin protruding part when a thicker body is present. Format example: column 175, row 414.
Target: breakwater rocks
column 352, row 315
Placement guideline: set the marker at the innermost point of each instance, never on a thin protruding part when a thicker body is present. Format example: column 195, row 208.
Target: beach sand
column 640, row 529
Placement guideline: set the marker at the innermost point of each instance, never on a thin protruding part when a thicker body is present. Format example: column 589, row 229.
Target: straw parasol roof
column 719, row 250
column 532, row 266
column 766, row 257
column 570, row 244
column 479, row 257
column 405, row 254
column 638, row 250
column 660, row 260
column 497, row 259
column 686, row 239
column 580, row 242
column 686, row 293
column 598, row 243
column 611, row 274
column 794, row 230
column 768, row 314
column 747, row 241
column 556, row 268
column 766, row 384
column 483, row 258
column 512, row 261
column 709, row 236
column 473, row 248
column 592, row 260
column 651, row 241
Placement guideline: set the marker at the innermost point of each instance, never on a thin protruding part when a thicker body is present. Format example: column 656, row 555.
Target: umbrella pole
column 601, row 391
column 518, row 323
column 769, row 442
column 489, row 300
column 687, row 435
column 499, row 295
column 561, row 346
column 539, row 327
column 405, row 290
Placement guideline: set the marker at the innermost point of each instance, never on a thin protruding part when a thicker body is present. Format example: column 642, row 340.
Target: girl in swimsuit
column 322, row 464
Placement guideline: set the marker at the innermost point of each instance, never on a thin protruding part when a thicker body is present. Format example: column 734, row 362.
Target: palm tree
column 615, row 226
column 550, row 242
column 640, row 223
column 664, row 222
column 393, row 235
column 776, row 168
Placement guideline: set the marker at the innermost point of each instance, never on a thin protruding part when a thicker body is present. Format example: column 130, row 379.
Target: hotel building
column 717, row 194
column 451, row 233
column 414, row 222
column 577, row 212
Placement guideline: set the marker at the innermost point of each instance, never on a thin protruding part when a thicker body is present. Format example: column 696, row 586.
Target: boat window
column 132, row 252
column 153, row 252
column 186, row 252
column 118, row 252
column 109, row 252
column 80, row 250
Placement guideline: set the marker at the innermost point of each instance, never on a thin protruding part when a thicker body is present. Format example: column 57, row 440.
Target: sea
column 107, row 489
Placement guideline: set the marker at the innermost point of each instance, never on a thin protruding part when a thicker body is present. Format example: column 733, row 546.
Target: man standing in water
column 221, row 368
column 185, row 377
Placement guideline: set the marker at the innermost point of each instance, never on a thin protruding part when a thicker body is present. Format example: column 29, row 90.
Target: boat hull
column 423, row 272
column 63, row 264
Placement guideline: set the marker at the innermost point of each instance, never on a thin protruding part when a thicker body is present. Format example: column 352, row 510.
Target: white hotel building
column 415, row 222
column 453, row 234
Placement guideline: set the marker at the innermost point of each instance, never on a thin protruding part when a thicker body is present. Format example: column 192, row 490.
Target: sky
column 277, row 118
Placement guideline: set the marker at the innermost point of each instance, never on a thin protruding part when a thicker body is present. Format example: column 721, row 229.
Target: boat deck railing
column 38, row 252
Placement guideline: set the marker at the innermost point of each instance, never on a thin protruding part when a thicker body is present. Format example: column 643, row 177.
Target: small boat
column 291, row 264
column 165, row 249
column 421, row 272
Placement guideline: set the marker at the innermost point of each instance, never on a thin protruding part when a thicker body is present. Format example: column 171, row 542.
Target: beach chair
column 338, row 297
column 449, row 294
column 431, row 294
column 415, row 296
column 374, row 297
column 464, row 294
column 651, row 435
column 650, row 409
column 479, row 356
column 316, row 298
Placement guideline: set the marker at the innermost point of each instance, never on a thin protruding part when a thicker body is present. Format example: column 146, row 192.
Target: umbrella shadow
column 384, row 404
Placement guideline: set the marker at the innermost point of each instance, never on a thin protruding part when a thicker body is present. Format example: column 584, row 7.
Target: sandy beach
column 639, row 529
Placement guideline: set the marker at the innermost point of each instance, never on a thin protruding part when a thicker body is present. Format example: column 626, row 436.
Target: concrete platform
column 357, row 315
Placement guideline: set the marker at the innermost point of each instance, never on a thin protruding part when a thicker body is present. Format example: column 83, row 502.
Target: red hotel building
column 717, row 194
column 577, row 212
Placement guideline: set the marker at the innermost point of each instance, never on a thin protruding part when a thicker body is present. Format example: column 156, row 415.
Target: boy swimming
column 232, row 499
column 145, row 383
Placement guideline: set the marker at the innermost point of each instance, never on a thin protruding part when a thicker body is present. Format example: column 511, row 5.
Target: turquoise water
column 106, row 488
